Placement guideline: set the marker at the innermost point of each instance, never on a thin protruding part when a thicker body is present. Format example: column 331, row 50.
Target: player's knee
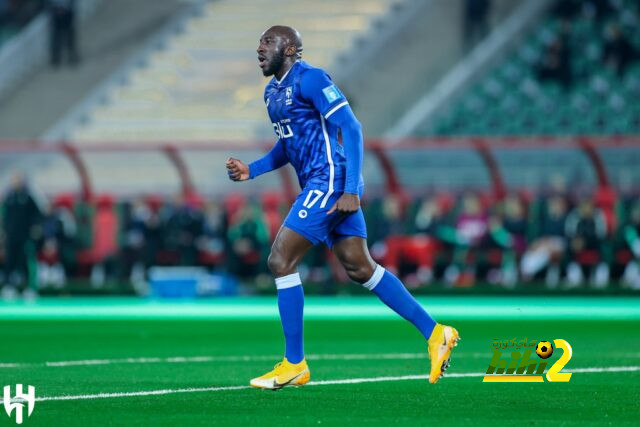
column 274, row 262
column 279, row 265
column 360, row 273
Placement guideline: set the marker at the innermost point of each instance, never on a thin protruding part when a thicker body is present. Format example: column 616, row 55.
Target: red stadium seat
column 105, row 231
column 446, row 202
column 623, row 256
column 588, row 257
column 64, row 200
column 605, row 199
column 271, row 202
column 233, row 204
column 155, row 202
column 195, row 201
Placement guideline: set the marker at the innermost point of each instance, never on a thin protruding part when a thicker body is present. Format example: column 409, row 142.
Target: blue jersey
column 299, row 106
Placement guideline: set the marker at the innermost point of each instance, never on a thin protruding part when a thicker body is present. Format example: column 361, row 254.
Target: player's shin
column 290, row 305
column 392, row 292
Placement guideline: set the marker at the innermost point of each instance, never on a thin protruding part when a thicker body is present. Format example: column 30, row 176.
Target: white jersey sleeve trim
column 327, row 144
column 336, row 108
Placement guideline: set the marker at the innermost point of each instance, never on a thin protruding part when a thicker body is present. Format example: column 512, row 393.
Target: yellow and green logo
column 521, row 367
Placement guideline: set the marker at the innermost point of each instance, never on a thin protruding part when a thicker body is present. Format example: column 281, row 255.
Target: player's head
column 279, row 46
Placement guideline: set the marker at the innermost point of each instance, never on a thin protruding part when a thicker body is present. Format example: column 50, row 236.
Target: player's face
column 270, row 53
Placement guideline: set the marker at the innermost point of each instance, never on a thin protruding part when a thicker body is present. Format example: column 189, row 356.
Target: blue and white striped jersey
column 299, row 107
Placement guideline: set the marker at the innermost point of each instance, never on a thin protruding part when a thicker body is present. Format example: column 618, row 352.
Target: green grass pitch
column 164, row 366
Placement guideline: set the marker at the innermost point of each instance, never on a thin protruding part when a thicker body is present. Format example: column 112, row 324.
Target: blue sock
column 392, row 292
column 291, row 305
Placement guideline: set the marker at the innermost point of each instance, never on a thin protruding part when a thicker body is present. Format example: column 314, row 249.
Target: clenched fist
column 237, row 170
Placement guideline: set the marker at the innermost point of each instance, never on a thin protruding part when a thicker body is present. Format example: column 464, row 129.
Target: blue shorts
column 308, row 217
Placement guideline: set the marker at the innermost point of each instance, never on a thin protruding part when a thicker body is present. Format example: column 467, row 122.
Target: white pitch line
column 208, row 359
column 205, row 359
column 311, row 383
column 138, row 393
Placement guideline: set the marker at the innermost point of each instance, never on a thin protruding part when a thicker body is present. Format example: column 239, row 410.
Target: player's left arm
column 352, row 142
column 318, row 88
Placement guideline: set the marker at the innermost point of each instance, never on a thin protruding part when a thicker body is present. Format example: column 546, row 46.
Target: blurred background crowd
column 532, row 87
column 552, row 240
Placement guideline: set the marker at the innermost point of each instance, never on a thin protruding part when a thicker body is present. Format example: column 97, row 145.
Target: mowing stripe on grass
column 311, row 383
column 316, row 307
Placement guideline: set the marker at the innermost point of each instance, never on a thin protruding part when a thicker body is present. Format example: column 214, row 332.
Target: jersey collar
column 278, row 82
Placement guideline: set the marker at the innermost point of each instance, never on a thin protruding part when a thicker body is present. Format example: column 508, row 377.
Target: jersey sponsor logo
column 283, row 131
column 331, row 93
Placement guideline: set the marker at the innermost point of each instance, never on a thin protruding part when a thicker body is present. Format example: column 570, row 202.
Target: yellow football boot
column 284, row 373
column 441, row 342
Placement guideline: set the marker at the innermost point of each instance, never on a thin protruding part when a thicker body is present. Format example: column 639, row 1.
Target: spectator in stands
column 63, row 31
column 212, row 244
column 184, row 227
column 475, row 21
column 406, row 246
column 555, row 64
column 472, row 227
column 388, row 229
column 132, row 245
column 618, row 52
column 20, row 219
column 431, row 218
column 249, row 241
column 631, row 235
column 547, row 250
column 57, row 246
column 153, row 232
column 566, row 9
column 586, row 231
column 508, row 230
column 432, row 222
column 599, row 9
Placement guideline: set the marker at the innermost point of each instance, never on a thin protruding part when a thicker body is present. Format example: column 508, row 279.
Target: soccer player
column 307, row 111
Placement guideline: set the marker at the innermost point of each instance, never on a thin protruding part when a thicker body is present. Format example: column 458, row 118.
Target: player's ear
column 290, row 50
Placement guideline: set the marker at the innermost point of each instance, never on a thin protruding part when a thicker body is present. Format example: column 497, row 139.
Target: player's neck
column 284, row 70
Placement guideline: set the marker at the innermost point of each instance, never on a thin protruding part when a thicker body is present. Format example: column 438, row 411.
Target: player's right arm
column 274, row 159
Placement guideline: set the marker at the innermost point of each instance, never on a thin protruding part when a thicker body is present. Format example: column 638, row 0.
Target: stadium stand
column 16, row 15
column 576, row 73
column 204, row 82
